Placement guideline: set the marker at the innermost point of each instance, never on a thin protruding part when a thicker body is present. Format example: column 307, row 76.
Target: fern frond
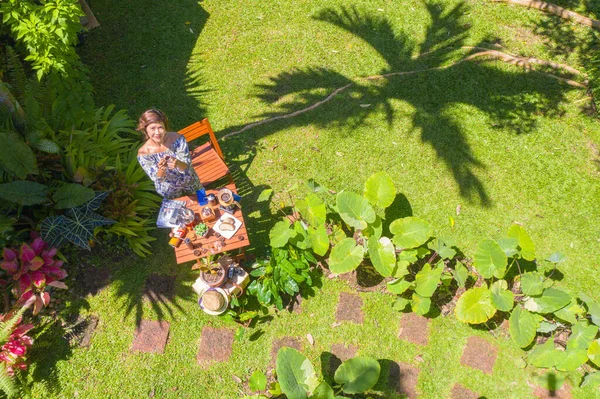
column 7, row 385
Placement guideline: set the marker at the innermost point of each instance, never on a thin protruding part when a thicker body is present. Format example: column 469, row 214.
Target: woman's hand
column 171, row 162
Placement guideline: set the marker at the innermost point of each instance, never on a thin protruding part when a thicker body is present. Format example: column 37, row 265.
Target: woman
column 165, row 157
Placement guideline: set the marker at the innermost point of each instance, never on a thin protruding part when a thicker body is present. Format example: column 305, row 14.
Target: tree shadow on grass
column 152, row 44
column 511, row 97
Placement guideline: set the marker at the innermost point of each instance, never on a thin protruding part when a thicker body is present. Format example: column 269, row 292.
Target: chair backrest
column 199, row 129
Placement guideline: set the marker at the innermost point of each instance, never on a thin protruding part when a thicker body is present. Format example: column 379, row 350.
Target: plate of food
column 227, row 225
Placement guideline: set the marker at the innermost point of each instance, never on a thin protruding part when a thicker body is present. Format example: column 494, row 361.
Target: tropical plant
column 296, row 377
column 77, row 225
column 14, row 343
column 47, row 32
column 30, row 270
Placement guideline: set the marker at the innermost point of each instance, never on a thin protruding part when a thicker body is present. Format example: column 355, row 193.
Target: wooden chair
column 207, row 159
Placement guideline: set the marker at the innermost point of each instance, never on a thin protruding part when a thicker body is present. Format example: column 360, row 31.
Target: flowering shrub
column 30, row 270
column 14, row 350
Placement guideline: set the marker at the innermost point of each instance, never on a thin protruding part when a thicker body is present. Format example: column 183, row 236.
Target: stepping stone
column 150, row 336
column 291, row 342
column 340, row 353
column 414, row 328
column 349, row 308
column 479, row 354
column 563, row 393
column 403, row 379
column 80, row 332
column 460, row 392
column 215, row 345
column 159, row 288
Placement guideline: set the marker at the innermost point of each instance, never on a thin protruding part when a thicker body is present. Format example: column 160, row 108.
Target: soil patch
column 291, row 342
column 414, row 328
column 215, row 345
column 151, row 336
column 403, row 379
column 349, row 308
column 563, row 393
column 479, row 354
column 81, row 331
column 460, row 392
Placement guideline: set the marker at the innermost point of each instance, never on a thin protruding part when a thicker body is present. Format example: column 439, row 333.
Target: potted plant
column 212, row 272
column 201, row 229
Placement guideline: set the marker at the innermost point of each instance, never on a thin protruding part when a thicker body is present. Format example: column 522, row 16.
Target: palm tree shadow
column 513, row 99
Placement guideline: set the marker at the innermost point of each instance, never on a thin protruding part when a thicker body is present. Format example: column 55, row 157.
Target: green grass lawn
column 505, row 144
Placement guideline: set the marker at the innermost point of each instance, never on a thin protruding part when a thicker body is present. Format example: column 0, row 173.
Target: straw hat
column 214, row 301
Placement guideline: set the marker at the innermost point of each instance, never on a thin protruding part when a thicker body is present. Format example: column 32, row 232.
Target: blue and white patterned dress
column 176, row 183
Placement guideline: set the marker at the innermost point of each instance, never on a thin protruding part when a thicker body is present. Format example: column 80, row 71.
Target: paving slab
column 479, row 354
column 349, row 308
column 414, row 328
column 296, row 304
column 150, row 336
column 340, row 353
column 563, row 393
column 159, row 288
column 215, row 345
column 292, row 342
column 92, row 281
column 460, row 392
column 403, row 379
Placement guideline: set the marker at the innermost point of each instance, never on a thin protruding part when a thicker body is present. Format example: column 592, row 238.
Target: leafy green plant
column 77, row 225
column 297, row 379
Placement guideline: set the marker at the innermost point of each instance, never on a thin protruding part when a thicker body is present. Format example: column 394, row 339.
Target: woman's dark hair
column 152, row 115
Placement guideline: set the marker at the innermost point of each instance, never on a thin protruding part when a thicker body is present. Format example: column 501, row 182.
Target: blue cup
column 201, row 196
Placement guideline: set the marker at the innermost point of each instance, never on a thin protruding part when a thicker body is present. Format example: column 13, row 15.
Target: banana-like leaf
column 24, row 192
column 380, row 190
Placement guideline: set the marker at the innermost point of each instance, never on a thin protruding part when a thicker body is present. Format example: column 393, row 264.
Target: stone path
column 414, row 328
column 563, row 393
column 159, row 288
column 349, row 308
column 291, row 342
column 215, row 345
column 151, row 336
column 339, row 354
column 460, row 392
column 403, row 379
column 479, row 354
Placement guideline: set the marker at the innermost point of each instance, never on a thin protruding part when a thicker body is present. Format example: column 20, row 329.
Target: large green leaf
column 509, row 246
column 593, row 352
column 319, row 240
column 345, row 256
column 545, row 355
column 550, row 301
column 420, row 305
column 532, row 283
column 582, row 335
column 442, row 248
column 571, row 359
column 16, row 156
column 502, row 299
column 358, row 374
column 522, row 326
column 300, row 240
column 593, row 308
column 281, row 233
column 380, row 190
column 24, row 192
column 383, row 255
column 355, row 210
column 295, row 373
column 460, row 274
column 257, row 381
column 375, row 229
column 72, row 195
column 525, row 243
column 570, row 312
column 79, row 227
column 475, row 306
column 490, row 260
column 398, row 286
column 312, row 209
column 410, row 232
column 592, row 379
column 323, row 391
column 52, row 230
column 427, row 279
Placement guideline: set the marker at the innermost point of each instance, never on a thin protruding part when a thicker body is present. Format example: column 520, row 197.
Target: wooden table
column 239, row 240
